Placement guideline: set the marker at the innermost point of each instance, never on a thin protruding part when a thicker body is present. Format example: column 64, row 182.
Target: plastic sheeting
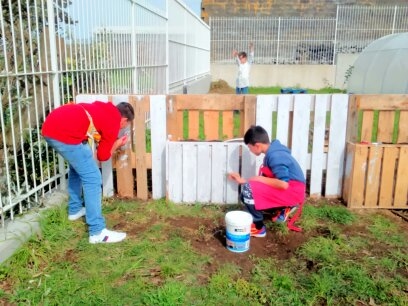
column 382, row 67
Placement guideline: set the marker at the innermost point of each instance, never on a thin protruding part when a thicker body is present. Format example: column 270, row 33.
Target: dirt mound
column 221, row 87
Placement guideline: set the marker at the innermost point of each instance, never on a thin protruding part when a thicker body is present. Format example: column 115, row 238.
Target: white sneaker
column 107, row 236
column 78, row 215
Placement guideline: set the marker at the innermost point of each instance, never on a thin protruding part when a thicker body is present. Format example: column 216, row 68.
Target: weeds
column 347, row 259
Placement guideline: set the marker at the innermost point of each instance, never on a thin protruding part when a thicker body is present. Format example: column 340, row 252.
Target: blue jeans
column 84, row 174
column 241, row 91
column 248, row 200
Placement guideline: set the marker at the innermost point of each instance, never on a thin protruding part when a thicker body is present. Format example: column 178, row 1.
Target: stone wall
column 282, row 8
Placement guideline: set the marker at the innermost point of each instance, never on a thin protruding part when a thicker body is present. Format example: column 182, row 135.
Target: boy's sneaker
column 258, row 232
column 284, row 214
column 107, row 236
column 78, row 215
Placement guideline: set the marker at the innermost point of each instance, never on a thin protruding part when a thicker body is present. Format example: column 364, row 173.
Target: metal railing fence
column 311, row 40
column 53, row 50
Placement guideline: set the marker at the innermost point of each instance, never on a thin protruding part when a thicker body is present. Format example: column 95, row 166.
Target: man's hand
column 123, row 140
column 119, row 143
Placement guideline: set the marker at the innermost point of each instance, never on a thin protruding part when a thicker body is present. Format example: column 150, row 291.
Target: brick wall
column 282, row 8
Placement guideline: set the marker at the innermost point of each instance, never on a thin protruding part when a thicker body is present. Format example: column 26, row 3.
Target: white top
column 243, row 71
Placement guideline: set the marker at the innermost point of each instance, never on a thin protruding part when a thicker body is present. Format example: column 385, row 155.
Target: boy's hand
column 234, row 176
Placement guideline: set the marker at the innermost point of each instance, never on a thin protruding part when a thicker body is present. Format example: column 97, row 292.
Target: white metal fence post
column 278, row 43
column 335, row 37
column 55, row 76
column 394, row 19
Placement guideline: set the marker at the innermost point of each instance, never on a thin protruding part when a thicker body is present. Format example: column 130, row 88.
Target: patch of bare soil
column 208, row 238
column 221, row 87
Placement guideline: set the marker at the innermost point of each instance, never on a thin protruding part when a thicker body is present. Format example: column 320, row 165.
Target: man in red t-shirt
column 66, row 130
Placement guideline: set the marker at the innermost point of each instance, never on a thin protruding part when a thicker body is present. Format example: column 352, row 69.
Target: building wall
column 282, row 8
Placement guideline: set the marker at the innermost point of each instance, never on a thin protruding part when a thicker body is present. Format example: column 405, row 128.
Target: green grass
column 157, row 266
column 277, row 90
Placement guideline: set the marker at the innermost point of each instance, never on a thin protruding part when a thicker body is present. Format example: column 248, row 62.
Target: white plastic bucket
column 238, row 230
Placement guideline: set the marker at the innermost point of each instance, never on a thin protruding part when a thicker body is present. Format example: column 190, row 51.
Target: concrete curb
column 18, row 231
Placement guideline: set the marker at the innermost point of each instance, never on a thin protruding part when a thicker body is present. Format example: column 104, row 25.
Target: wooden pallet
column 376, row 172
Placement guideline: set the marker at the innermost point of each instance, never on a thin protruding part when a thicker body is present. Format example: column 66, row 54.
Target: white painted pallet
column 196, row 171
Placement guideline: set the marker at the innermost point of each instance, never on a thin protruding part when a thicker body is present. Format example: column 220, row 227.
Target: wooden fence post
column 141, row 107
column 158, row 145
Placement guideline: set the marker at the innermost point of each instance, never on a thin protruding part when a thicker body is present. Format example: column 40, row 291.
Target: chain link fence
column 53, row 50
column 310, row 40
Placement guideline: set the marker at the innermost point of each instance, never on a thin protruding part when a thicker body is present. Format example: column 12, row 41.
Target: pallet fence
column 195, row 141
column 191, row 151
column 376, row 174
column 197, row 170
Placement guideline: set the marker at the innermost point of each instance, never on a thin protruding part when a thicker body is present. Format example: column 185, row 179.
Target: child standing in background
column 280, row 183
column 244, row 67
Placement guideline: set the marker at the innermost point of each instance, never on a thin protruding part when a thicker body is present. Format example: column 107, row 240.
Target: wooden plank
column 174, row 171
column 358, row 176
column 147, row 158
column 284, row 105
column 172, row 118
column 116, row 99
column 301, row 126
column 337, row 140
column 265, row 106
column 221, row 102
column 348, row 172
column 193, row 124
column 180, row 125
column 157, row 159
column 219, row 172
column 385, row 126
column 373, row 176
column 91, row 98
column 204, row 172
column 382, row 102
column 249, row 167
column 242, row 125
column 367, row 126
column 352, row 120
column 123, row 165
column 140, row 104
column 233, row 160
column 107, row 178
column 403, row 127
column 227, row 125
column 211, row 124
column 388, row 176
column 317, row 157
column 249, row 111
column 189, row 172
column 401, row 182
column 124, row 173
